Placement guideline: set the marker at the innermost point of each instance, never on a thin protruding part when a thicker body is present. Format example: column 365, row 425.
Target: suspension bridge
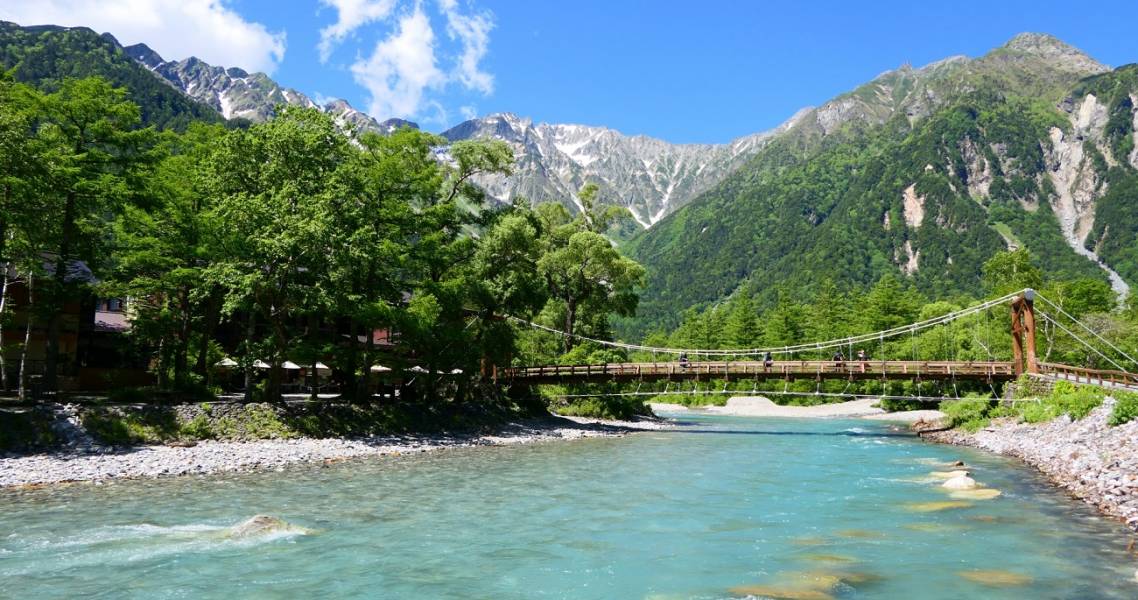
column 781, row 363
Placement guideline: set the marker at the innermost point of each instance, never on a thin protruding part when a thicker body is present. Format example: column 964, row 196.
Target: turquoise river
column 724, row 507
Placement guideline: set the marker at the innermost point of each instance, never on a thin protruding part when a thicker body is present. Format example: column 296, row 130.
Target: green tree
column 589, row 274
column 270, row 185
column 1010, row 271
column 162, row 251
column 95, row 159
column 741, row 328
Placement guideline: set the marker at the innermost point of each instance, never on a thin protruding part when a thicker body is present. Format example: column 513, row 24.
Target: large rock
column 960, row 482
column 260, row 525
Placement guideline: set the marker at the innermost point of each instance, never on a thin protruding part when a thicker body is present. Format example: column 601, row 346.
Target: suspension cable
column 1084, row 326
column 1081, row 340
column 819, row 346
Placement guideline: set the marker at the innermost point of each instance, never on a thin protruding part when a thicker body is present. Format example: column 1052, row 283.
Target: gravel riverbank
column 99, row 463
column 1094, row 461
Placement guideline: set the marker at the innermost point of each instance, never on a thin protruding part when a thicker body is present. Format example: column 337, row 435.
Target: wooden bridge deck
column 804, row 369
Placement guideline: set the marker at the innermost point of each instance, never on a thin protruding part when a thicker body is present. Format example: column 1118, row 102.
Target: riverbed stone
column 960, row 482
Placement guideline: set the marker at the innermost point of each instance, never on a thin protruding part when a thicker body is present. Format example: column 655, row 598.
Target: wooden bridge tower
column 1023, row 333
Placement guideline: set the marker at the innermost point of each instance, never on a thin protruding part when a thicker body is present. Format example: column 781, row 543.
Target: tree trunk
column 212, row 315
column 163, row 351
column 54, row 329
column 250, row 331
column 280, row 343
column 181, row 351
column 23, row 377
column 363, row 384
column 570, row 322
column 3, row 311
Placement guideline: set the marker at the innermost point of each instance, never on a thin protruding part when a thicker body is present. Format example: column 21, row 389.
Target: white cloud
column 351, row 15
column 401, row 68
column 468, row 112
column 411, row 66
column 473, row 31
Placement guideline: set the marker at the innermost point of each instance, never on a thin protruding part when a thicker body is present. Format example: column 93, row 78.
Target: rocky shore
column 93, row 462
column 1094, row 461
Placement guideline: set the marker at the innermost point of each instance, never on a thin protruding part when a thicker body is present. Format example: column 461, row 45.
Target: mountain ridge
column 923, row 173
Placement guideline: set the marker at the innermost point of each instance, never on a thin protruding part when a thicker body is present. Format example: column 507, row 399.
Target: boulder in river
column 961, row 482
column 924, row 507
column 949, row 474
column 259, row 525
column 996, row 577
column 974, row 494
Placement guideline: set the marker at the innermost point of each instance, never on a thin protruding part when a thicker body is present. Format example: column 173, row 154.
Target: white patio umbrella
column 288, row 364
column 379, row 369
column 322, row 367
column 456, row 372
column 226, row 363
column 260, row 364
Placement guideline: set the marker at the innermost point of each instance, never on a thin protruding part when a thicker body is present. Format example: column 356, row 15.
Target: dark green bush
column 970, row 413
column 1125, row 408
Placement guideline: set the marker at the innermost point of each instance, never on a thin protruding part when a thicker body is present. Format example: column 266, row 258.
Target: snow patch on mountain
column 648, row 176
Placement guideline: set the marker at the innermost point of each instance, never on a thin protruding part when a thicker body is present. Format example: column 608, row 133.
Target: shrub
column 605, row 407
column 129, row 395
column 969, row 414
column 1065, row 399
column 198, row 428
column 1125, row 408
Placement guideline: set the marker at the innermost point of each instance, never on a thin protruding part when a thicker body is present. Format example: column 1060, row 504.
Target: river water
column 723, row 508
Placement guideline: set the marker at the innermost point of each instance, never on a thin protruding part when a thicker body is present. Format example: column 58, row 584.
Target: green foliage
column 46, row 56
column 116, row 428
column 807, row 210
column 970, row 414
column 605, row 407
column 1065, row 399
column 23, row 430
column 1011, row 271
column 1125, row 408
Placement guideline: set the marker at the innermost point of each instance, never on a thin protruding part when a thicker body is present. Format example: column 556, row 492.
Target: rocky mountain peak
column 1055, row 51
column 145, row 55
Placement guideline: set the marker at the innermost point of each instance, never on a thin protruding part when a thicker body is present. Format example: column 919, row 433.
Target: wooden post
column 1023, row 333
column 1029, row 330
column 1017, row 338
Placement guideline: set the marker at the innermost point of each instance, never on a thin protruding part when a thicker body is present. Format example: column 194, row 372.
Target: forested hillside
column 44, row 55
column 1029, row 146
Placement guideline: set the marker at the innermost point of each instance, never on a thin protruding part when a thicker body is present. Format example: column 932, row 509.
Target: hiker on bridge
column 768, row 360
column 683, row 360
column 839, row 358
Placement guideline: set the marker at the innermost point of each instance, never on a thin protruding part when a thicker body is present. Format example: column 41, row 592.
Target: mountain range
column 922, row 172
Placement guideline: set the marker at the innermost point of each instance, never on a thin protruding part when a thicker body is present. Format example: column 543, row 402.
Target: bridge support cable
column 812, row 346
column 851, row 396
column 1048, row 317
column 1089, row 330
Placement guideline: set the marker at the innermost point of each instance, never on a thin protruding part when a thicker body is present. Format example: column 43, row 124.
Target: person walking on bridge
column 768, row 360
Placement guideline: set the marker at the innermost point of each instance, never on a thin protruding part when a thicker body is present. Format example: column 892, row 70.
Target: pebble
column 99, row 464
column 1094, row 461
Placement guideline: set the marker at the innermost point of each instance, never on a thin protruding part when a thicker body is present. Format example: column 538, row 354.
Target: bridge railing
column 785, row 369
column 1090, row 376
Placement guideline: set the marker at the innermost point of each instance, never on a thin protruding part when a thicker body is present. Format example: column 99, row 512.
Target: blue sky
column 682, row 71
